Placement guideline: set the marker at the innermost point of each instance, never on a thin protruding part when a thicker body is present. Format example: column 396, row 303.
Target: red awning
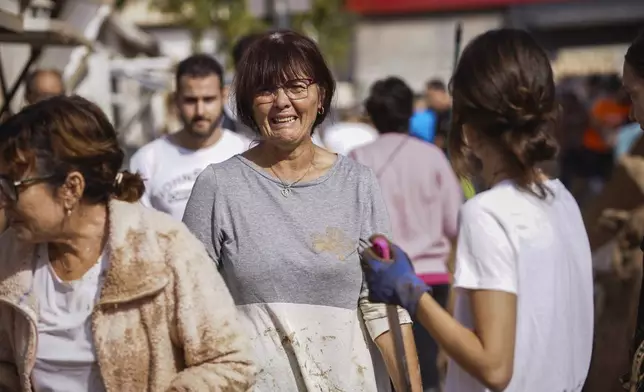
column 409, row 6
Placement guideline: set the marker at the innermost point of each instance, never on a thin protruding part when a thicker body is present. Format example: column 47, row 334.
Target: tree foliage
column 331, row 25
column 327, row 22
column 230, row 18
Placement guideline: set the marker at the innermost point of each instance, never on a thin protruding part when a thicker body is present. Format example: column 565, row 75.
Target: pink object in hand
column 381, row 247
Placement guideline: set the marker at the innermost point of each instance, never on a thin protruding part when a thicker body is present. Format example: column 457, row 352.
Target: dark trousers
column 426, row 346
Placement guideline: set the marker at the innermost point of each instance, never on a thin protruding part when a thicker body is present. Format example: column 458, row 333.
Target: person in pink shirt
column 422, row 195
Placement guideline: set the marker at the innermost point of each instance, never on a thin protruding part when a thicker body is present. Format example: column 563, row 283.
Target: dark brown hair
column 64, row 134
column 199, row 66
column 635, row 55
column 435, row 84
column 277, row 57
column 503, row 88
column 241, row 45
column 390, row 105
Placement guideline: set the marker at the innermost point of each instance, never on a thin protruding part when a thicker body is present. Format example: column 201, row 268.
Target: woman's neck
column 492, row 173
column 493, row 177
column 86, row 234
column 284, row 160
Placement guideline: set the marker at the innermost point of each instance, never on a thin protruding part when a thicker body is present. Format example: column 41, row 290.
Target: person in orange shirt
column 608, row 113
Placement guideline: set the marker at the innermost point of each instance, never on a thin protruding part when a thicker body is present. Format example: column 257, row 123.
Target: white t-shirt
column 65, row 356
column 170, row 171
column 537, row 249
column 343, row 137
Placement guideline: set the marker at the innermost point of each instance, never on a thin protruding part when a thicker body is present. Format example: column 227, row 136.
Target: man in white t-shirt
column 344, row 137
column 347, row 134
column 170, row 165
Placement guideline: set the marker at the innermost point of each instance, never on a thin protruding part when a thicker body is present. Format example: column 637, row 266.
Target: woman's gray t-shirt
column 292, row 266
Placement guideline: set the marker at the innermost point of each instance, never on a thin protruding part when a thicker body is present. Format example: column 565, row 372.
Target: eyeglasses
column 294, row 89
column 9, row 188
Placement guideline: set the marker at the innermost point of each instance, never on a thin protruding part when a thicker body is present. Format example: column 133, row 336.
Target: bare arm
column 375, row 315
column 385, row 343
column 487, row 353
column 485, row 271
column 375, row 318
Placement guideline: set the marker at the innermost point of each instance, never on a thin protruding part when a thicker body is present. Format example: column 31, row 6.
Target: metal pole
column 35, row 53
column 280, row 14
column 3, row 83
column 457, row 50
column 458, row 36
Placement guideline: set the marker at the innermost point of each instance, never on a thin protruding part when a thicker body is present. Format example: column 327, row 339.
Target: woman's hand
column 393, row 282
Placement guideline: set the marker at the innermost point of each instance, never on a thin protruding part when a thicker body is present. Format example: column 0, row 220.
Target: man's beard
column 206, row 133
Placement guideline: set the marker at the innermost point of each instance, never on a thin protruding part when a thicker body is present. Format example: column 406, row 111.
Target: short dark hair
column 241, row 45
column 63, row 134
column 199, row 66
column 635, row 55
column 436, row 84
column 503, row 88
column 274, row 58
column 390, row 105
column 31, row 92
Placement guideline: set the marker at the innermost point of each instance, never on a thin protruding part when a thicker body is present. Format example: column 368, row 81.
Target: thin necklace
column 287, row 188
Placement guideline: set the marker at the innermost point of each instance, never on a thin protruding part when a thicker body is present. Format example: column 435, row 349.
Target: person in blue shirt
column 626, row 138
column 423, row 125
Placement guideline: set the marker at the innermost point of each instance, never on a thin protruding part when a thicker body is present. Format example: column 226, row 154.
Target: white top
column 511, row 241
column 170, row 171
column 343, row 137
column 65, row 356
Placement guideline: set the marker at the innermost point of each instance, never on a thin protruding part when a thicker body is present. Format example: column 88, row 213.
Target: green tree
column 332, row 26
column 327, row 21
column 230, row 17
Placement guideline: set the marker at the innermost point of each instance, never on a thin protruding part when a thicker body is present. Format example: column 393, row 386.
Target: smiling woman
column 293, row 65
column 285, row 229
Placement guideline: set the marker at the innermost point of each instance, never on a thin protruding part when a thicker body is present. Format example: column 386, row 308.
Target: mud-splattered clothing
column 292, row 266
column 164, row 320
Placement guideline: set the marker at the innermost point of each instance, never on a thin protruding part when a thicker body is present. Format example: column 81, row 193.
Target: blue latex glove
column 394, row 283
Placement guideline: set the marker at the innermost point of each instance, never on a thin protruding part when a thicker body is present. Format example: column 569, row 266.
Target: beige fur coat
column 164, row 321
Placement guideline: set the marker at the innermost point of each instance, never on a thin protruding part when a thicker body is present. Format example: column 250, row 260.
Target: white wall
column 587, row 60
column 176, row 42
column 96, row 86
column 415, row 49
column 82, row 16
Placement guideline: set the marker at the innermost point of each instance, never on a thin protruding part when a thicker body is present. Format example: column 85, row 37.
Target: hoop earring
column 68, row 212
column 321, row 111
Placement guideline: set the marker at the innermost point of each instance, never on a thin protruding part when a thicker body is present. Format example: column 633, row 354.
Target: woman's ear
column 321, row 96
column 470, row 136
column 72, row 189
